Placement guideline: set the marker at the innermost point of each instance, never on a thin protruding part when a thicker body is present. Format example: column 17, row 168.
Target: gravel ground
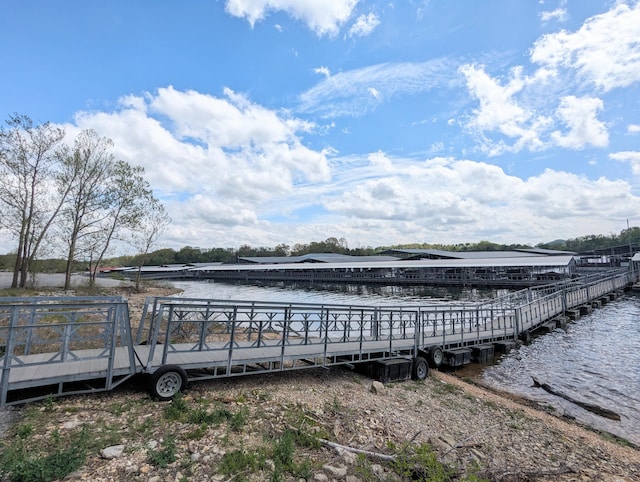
column 474, row 430
column 8, row 417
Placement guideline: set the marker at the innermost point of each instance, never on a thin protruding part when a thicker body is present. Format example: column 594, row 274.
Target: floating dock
column 60, row 346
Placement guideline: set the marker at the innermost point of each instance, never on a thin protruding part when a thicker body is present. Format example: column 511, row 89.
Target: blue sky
column 289, row 121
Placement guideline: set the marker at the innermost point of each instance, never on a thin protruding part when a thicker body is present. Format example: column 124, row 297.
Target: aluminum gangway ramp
column 51, row 346
column 195, row 339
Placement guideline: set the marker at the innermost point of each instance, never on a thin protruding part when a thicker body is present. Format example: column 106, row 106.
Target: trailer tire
column 420, row 368
column 435, row 356
column 167, row 381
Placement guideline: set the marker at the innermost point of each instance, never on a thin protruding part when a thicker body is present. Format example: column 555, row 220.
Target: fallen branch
column 603, row 412
column 463, row 441
column 368, row 453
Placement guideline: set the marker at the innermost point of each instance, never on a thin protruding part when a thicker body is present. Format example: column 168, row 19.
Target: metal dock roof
column 534, row 261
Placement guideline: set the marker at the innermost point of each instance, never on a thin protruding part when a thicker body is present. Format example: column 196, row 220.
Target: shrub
column 164, row 456
column 28, row 464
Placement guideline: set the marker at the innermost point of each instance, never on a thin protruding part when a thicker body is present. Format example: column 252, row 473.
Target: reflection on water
column 596, row 360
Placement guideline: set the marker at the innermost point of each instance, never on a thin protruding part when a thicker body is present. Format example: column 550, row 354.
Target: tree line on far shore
column 77, row 198
column 190, row 254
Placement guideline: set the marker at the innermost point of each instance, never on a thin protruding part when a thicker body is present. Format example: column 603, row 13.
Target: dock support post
column 232, row 339
column 417, row 333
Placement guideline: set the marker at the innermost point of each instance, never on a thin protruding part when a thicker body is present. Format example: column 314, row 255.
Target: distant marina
column 514, row 269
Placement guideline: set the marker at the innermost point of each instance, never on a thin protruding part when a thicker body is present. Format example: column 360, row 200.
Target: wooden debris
column 375, row 455
column 603, row 412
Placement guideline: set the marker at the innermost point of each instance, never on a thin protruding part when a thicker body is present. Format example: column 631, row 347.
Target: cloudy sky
column 263, row 122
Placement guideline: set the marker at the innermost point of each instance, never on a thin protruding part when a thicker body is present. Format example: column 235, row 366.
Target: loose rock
column 337, row 472
column 112, row 452
column 378, row 388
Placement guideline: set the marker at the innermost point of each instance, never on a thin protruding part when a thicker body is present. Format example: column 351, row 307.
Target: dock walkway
column 59, row 346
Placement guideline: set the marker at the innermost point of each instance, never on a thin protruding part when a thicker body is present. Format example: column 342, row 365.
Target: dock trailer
column 54, row 346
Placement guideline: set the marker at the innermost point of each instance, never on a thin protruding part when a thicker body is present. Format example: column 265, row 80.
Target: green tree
column 189, row 254
column 161, row 256
column 219, row 255
column 245, row 250
column 7, row 261
column 282, row 250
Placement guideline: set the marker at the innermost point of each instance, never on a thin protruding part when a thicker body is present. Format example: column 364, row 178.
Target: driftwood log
column 368, row 453
column 603, row 412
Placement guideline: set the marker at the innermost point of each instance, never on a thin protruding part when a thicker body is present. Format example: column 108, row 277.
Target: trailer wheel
column 436, row 356
column 420, row 368
column 167, row 381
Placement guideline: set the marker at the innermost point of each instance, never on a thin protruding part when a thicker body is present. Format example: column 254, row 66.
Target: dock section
column 63, row 345
column 59, row 346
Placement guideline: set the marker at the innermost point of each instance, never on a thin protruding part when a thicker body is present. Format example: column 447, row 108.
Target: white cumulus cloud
column 559, row 14
column 580, row 116
column 559, row 103
column 501, row 111
column 630, row 157
column 323, row 71
column 213, row 160
column 443, row 198
column 604, row 52
column 323, row 17
column 364, row 25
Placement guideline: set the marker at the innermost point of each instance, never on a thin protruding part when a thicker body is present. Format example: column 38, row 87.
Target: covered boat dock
column 491, row 272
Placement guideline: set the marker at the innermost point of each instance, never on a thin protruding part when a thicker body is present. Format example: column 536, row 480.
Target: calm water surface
column 596, row 360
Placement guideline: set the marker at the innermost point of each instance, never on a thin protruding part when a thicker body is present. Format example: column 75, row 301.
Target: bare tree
column 127, row 199
column 86, row 168
column 150, row 227
column 29, row 199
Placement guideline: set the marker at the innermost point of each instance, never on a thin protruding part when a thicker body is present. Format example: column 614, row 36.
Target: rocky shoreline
column 474, row 431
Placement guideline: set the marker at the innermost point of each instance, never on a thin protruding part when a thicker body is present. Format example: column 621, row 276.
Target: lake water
column 596, row 360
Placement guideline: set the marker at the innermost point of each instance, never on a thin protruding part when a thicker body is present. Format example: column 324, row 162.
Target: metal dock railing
column 63, row 345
